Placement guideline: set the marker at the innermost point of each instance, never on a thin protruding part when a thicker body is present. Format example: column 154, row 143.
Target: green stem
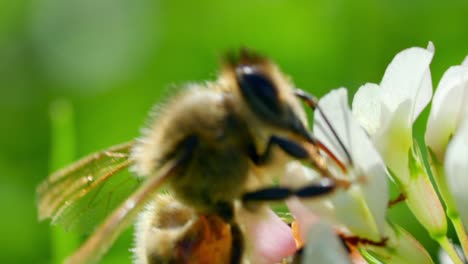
column 62, row 152
column 438, row 174
column 448, row 247
column 461, row 233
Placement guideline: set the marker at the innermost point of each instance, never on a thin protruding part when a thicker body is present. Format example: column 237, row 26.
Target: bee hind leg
column 237, row 244
column 226, row 211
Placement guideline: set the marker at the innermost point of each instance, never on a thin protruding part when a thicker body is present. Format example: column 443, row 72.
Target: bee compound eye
column 258, row 90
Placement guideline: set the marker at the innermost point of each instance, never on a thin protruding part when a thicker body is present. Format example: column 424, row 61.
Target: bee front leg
column 294, row 150
column 322, row 187
column 290, row 147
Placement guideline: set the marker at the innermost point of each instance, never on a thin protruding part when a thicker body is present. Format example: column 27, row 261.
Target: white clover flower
column 446, row 139
column 361, row 208
column 447, row 136
column 387, row 111
column 357, row 211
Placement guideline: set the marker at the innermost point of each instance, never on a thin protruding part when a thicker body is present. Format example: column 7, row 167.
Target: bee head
column 267, row 93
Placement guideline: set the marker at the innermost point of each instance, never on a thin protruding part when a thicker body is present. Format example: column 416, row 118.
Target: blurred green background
column 113, row 59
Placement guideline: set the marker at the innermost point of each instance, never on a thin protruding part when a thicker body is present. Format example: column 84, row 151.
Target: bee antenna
column 312, row 102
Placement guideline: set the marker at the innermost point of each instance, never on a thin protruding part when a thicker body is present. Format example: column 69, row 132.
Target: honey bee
column 213, row 145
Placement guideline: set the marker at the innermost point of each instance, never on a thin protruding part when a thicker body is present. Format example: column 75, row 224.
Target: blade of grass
column 62, row 153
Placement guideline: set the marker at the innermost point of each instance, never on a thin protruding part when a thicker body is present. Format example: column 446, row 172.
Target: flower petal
column 405, row 90
column 323, row 246
column 366, row 163
column 408, row 78
column 444, row 258
column 401, row 248
column 270, row 239
column 424, row 94
column 448, row 107
column 366, row 107
column 456, row 166
column 304, row 216
column 354, row 213
column 306, row 211
column 394, row 140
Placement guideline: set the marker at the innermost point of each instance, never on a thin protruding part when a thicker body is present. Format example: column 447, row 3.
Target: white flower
column 361, row 209
column 456, row 168
column 323, row 246
column 444, row 258
column 447, row 135
column 449, row 105
column 401, row 247
column 387, row 111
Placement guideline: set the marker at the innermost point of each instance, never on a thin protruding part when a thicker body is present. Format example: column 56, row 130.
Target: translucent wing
column 82, row 195
column 104, row 236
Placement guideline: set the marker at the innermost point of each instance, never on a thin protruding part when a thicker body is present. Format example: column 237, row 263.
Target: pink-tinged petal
column 305, row 218
column 269, row 238
column 408, row 78
column 366, row 107
column 456, row 168
column 448, row 107
column 324, row 246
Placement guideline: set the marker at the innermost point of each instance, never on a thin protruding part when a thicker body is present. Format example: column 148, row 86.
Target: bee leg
column 323, row 187
column 289, row 146
column 226, row 211
column 294, row 150
column 237, row 244
column 297, row 258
